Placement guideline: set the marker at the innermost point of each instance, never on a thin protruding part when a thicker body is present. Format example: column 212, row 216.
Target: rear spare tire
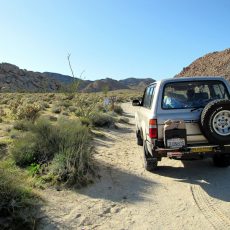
column 215, row 121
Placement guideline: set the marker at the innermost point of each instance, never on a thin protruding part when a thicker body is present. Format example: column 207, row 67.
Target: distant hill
column 14, row 79
column 66, row 79
column 211, row 64
column 100, row 85
column 136, row 83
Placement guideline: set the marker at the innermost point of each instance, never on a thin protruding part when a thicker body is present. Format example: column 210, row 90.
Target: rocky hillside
column 212, row 64
column 12, row 79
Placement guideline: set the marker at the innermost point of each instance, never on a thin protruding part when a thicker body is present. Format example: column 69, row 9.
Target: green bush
column 85, row 121
column 65, row 103
column 52, row 118
column 102, row 120
column 45, row 105
column 117, row 109
column 73, row 163
column 56, row 110
column 47, row 140
column 24, row 150
column 17, row 203
column 65, row 148
column 65, row 113
column 23, row 125
column 28, row 112
column 72, row 108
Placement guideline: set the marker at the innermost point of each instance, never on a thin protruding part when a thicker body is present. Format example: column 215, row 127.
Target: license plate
column 174, row 154
column 176, row 142
column 201, row 149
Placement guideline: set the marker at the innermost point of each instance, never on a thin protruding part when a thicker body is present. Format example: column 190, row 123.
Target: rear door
column 185, row 100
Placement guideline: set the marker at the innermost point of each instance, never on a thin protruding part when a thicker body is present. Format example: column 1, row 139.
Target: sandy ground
column 188, row 195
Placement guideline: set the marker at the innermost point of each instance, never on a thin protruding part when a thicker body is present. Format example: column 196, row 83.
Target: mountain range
column 14, row 79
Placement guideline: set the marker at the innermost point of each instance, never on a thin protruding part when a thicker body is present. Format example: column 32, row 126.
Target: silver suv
column 198, row 110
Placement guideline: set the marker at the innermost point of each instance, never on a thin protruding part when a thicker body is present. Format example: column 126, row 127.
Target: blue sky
column 112, row 38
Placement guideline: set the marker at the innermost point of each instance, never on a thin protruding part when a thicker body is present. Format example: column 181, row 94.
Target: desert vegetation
column 46, row 139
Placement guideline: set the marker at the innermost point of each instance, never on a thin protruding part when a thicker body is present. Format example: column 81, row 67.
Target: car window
column 149, row 93
column 194, row 94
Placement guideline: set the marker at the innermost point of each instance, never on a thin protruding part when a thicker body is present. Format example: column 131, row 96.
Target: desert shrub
column 2, row 112
column 23, row 125
column 51, row 95
column 73, row 163
column 37, row 146
column 85, row 104
column 85, row 121
column 56, row 109
column 102, row 120
column 121, row 99
column 17, row 203
column 4, row 101
column 117, row 109
column 101, row 108
column 65, row 103
column 45, row 105
column 14, row 104
column 28, row 112
column 124, row 120
column 72, row 108
column 65, row 113
column 52, row 118
column 47, row 140
column 69, row 96
column 33, row 169
column 65, row 147
column 24, row 150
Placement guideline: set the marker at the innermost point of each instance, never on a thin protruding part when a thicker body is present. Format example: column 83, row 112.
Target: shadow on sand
column 118, row 186
column 215, row 181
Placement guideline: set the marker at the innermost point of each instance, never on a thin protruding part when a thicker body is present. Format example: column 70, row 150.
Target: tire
column 150, row 163
column 215, row 122
column 221, row 161
column 139, row 138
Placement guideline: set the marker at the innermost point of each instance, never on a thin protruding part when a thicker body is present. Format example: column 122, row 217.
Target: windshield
column 194, row 94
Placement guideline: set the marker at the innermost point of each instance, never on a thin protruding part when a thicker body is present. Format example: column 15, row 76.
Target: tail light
column 153, row 128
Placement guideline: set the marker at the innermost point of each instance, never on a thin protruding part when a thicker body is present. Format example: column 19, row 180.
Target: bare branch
column 68, row 57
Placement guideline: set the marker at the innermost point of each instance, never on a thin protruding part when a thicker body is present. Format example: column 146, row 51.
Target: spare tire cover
column 215, row 121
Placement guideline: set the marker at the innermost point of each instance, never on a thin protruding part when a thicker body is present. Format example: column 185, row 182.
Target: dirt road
column 189, row 195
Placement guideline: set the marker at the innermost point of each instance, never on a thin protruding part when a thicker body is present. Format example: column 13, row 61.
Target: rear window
column 194, row 94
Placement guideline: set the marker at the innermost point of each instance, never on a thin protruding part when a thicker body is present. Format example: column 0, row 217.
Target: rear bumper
column 189, row 152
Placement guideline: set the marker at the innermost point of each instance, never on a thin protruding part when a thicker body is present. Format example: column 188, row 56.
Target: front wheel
column 150, row 163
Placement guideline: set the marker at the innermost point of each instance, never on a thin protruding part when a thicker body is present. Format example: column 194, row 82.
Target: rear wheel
column 150, row 163
column 221, row 161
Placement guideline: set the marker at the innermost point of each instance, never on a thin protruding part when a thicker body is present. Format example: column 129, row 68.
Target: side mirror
column 136, row 102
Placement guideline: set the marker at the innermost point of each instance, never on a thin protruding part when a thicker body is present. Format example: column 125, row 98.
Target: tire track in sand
column 209, row 208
